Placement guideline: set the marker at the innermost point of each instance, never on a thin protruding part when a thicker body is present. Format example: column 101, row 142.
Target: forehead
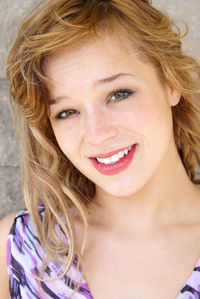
column 74, row 69
column 96, row 53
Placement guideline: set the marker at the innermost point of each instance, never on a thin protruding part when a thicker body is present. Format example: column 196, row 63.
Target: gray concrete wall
column 11, row 13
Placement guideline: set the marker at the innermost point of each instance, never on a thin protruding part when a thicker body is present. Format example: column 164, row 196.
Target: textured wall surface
column 11, row 13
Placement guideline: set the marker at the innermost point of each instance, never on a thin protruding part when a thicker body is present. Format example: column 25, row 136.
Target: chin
column 126, row 189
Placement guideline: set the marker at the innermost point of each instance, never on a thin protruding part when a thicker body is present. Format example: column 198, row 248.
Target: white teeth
column 120, row 155
column 126, row 151
column 107, row 160
column 114, row 158
column 100, row 160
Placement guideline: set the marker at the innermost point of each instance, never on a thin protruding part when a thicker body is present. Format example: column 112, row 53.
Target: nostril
column 97, row 135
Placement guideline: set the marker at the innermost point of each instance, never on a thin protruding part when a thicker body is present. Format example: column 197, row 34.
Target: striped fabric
column 24, row 260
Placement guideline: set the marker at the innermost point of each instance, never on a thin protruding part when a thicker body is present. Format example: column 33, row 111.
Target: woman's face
column 104, row 101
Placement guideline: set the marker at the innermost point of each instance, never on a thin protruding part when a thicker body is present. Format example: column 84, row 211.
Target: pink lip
column 116, row 167
column 107, row 155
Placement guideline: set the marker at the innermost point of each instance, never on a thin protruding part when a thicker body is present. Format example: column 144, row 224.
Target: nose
column 100, row 128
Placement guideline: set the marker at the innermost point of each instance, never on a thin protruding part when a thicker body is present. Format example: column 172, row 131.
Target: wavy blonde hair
column 49, row 177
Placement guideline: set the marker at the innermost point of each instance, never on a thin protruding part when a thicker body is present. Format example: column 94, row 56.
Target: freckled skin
column 101, row 126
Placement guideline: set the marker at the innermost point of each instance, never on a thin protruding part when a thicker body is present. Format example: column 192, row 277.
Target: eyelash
column 127, row 93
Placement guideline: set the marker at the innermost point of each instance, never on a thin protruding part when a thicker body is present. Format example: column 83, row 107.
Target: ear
column 174, row 96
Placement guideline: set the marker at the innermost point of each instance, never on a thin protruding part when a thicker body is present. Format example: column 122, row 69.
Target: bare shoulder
column 5, row 226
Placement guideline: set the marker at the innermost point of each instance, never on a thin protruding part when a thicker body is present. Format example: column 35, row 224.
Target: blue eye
column 120, row 94
column 65, row 114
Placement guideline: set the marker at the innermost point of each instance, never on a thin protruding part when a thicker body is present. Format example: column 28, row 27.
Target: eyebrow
column 96, row 83
column 110, row 79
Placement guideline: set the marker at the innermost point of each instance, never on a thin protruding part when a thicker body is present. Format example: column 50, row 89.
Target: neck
column 165, row 199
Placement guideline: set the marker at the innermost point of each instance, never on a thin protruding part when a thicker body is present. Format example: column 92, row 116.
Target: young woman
column 108, row 111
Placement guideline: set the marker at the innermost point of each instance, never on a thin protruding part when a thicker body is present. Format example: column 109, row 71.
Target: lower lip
column 116, row 167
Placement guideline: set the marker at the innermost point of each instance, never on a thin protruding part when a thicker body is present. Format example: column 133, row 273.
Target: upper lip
column 107, row 155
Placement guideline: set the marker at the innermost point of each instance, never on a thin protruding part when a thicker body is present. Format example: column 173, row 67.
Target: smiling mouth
column 116, row 157
column 114, row 163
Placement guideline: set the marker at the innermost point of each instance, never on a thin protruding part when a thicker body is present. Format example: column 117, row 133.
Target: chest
column 153, row 267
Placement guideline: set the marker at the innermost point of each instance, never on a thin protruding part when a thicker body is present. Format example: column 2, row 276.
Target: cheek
column 138, row 116
column 149, row 118
column 67, row 139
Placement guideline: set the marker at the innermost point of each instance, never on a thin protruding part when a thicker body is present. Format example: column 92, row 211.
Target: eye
column 66, row 114
column 120, row 94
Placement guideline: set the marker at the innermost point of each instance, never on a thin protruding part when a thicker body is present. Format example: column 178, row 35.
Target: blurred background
column 11, row 13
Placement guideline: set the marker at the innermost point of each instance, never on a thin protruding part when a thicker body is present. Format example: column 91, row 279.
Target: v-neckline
column 192, row 285
column 190, row 290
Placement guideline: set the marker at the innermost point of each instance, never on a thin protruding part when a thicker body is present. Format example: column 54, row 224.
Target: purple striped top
column 24, row 260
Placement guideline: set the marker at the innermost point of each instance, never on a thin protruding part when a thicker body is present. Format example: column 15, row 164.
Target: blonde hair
column 49, row 177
